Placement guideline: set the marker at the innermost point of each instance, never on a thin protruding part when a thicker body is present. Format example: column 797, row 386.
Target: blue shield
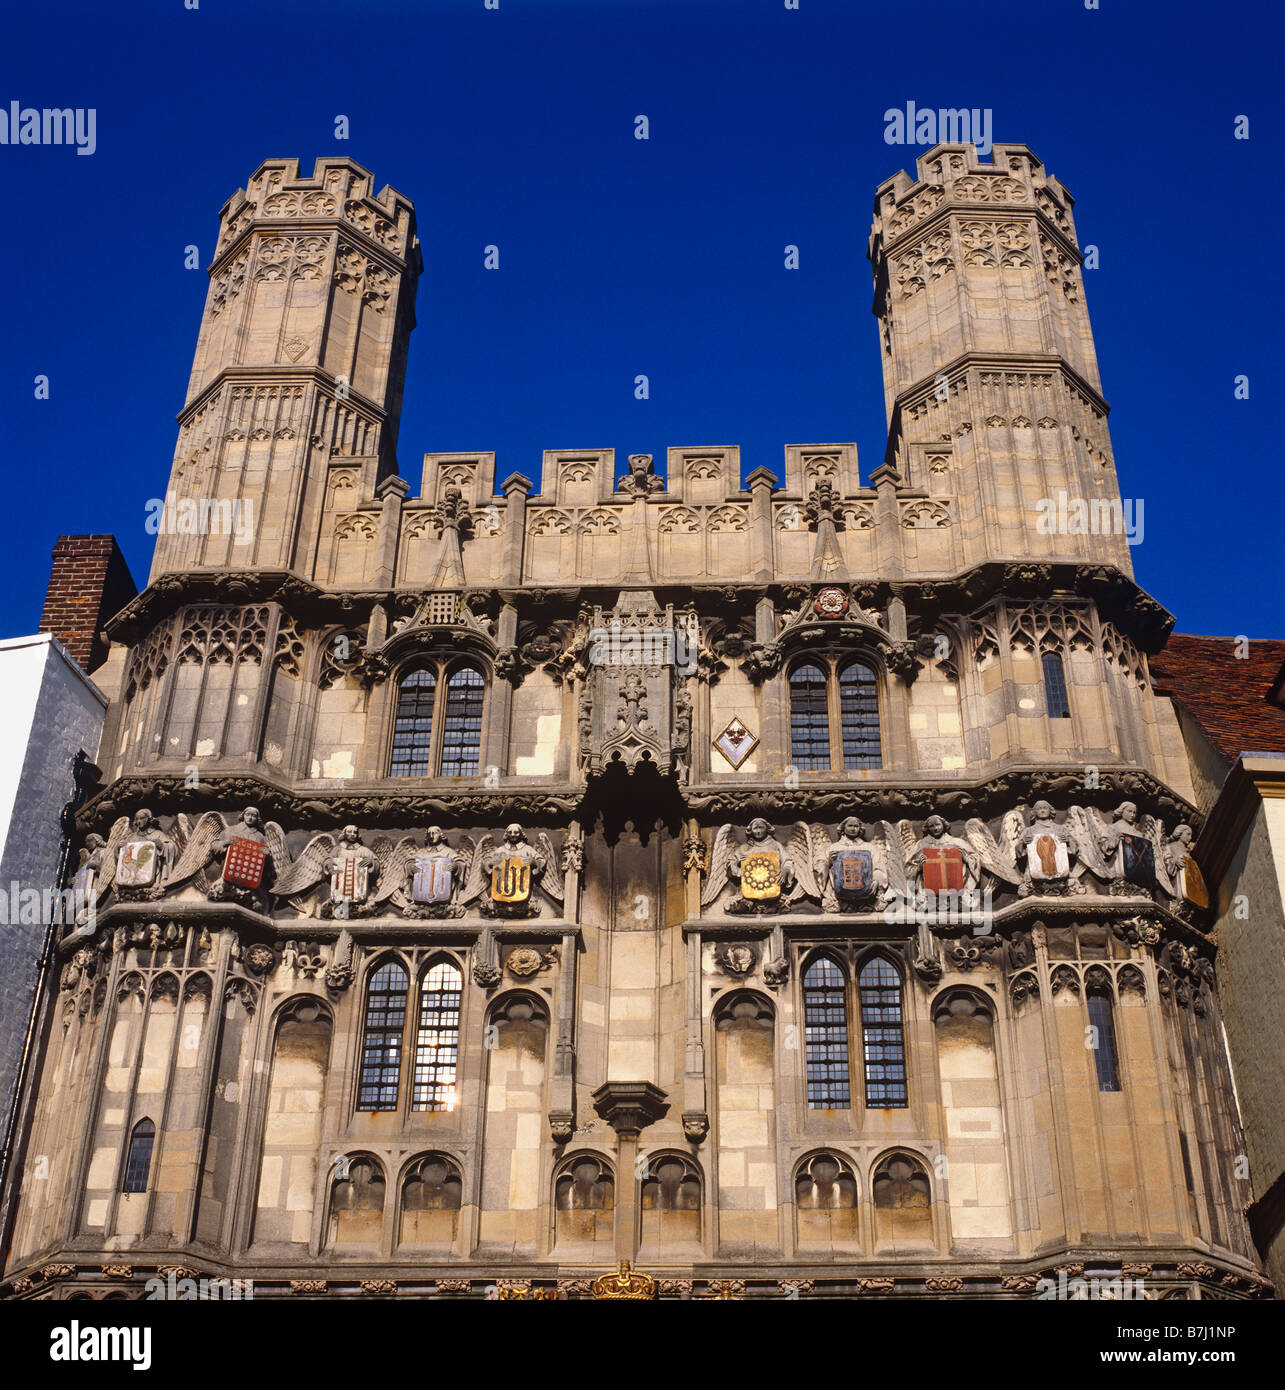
column 1138, row 860
column 852, row 873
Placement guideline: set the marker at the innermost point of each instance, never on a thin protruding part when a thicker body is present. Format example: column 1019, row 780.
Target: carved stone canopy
column 630, row 1106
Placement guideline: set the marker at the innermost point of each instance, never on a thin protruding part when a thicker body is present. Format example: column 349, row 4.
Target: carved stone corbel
column 486, row 969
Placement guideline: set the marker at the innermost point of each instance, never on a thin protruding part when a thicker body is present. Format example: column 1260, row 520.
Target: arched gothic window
column 413, row 726
column 437, row 729
column 834, row 715
column 1102, row 1019
column 381, row 1048
column 883, row 1042
column 825, row 1022
column 138, row 1163
column 809, row 718
column 1056, row 698
column 462, row 735
column 437, row 1038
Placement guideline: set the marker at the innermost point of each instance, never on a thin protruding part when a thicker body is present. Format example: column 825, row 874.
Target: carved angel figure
column 511, row 870
column 136, row 859
column 88, row 869
column 1183, row 872
column 1027, row 855
column 1050, row 850
column 254, row 852
column 144, row 856
column 423, row 880
column 1128, row 850
column 941, row 861
column 770, row 874
column 851, row 868
column 353, row 869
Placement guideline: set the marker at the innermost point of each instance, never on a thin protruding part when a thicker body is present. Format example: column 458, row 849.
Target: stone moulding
column 379, row 807
column 1121, row 600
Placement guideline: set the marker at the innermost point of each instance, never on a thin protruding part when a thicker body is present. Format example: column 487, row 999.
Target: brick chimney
column 88, row 583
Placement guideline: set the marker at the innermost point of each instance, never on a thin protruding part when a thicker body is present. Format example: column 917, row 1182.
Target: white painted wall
column 49, row 709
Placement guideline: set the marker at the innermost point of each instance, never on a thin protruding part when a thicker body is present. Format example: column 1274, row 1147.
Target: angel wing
column 821, row 869
column 476, row 880
column 394, row 864
column 277, row 847
column 1086, row 832
column 899, row 840
column 1011, row 829
column 306, row 870
column 992, row 857
column 104, row 879
column 1154, row 830
column 799, row 848
column 196, row 852
column 551, row 879
column 716, row 879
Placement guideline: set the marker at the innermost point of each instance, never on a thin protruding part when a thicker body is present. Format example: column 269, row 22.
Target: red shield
column 943, row 870
column 243, row 865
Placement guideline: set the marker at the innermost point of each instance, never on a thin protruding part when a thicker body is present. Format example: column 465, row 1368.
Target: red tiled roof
column 1226, row 695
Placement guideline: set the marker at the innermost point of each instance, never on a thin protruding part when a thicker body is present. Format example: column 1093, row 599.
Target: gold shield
column 761, row 875
column 1194, row 883
column 511, row 880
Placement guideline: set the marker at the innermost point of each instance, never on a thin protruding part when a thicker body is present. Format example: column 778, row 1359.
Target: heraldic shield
column 350, row 876
column 1193, row 884
column 136, row 864
column 1047, row 857
column 1138, row 860
column 432, row 881
column 243, row 864
column 761, row 875
column 943, row 870
column 853, row 873
column 511, row 880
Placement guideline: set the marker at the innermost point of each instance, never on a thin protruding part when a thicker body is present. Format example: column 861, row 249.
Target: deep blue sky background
column 619, row 257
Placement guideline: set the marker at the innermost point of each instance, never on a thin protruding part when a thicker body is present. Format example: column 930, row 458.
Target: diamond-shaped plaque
column 736, row 743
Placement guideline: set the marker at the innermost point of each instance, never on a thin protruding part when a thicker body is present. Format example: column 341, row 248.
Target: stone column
column 628, row 1107
column 761, row 482
column 515, row 488
column 390, row 493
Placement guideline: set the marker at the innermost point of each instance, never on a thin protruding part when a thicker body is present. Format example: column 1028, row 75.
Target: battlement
column 339, row 188
column 955, row 174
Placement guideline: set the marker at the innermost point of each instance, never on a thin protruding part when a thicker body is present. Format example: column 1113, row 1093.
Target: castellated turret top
column 955, row 173
column 339, row 188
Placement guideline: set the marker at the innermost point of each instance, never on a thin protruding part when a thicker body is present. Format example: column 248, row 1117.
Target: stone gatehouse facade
column 782, row 884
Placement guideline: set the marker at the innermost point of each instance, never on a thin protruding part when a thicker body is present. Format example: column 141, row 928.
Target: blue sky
column 618, row 257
